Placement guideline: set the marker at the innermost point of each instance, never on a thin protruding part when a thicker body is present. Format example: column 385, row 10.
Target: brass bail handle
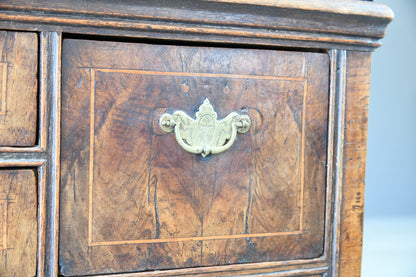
column 205, row 135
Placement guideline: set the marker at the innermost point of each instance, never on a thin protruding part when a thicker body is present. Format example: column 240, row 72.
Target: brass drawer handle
column 205, row 135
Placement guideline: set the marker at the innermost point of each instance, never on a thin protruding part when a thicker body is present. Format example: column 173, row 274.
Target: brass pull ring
column 205, row 135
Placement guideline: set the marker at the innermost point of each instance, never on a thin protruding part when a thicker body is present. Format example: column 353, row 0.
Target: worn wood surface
column 49, row 129
column 354, row 161
column 18, row 88
column 133, row 200
column 317, row 24
column 304, row 272
column 18, row 226
column 235, row 270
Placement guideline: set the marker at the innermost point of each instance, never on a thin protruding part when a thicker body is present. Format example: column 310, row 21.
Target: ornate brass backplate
column 205, row 135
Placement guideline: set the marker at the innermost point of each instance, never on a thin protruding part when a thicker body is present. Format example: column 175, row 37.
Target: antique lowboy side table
column 184, row 138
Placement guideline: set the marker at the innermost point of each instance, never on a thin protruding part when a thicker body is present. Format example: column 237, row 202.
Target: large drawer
column 133, row 200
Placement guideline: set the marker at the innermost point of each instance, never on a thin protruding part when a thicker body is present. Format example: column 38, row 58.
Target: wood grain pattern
column 355, row 149
column 49, row 129
column 18, row 88
column 18, row 226
column 304, row 272
column 318, row 24
column 256, row 210
column 138, row 201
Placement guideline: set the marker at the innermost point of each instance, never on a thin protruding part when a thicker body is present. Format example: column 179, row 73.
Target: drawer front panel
column 18, row 226
column 132, row 199
column 18, row 88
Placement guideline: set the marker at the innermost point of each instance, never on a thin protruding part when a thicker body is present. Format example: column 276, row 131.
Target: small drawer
column 132, row 199
column 18, row 88
column 18, row 225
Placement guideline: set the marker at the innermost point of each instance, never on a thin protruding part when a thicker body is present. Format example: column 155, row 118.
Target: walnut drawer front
column 133, row 200
column 18, row 88
column 18, row 225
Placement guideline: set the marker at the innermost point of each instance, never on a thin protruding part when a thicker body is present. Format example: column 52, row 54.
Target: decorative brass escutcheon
column 205, row 135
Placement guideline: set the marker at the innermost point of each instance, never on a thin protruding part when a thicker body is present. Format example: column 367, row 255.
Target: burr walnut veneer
column 92, row 184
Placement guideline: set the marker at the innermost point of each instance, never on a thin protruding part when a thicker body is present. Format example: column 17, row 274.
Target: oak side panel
column 355, row 147
column 18, row 88
column 18, row 226
column 133, row 200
